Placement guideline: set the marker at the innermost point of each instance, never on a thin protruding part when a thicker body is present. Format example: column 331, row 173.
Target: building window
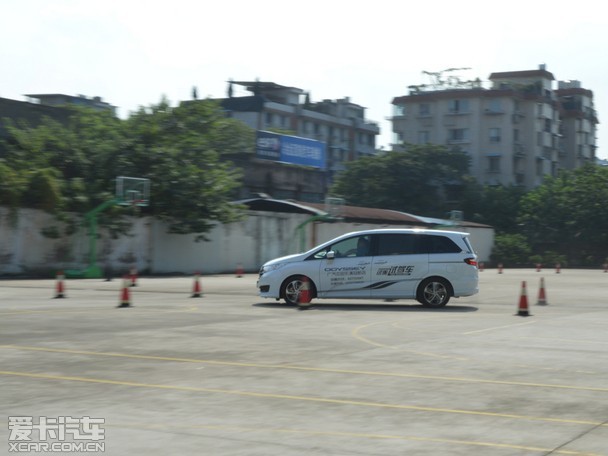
column 495, row 135
column 494, row 106
column 548, row 125
column 458, row 134
column 494, row 164
column 268, row 118
column 424, row 109
column 306, row 127
column 458, row 106
column 515, row 135
column 424, row 137
column 399, row 110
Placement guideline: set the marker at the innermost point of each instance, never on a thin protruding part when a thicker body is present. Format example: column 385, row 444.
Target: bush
column 511, row 250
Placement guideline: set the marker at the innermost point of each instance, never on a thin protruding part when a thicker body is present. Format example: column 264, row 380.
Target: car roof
column 405, row 231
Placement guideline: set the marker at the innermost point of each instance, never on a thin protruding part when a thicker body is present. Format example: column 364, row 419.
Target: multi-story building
column 273, row 110
column 515, row 132
column 60, row 100
column 340, row 124
column 578, row 124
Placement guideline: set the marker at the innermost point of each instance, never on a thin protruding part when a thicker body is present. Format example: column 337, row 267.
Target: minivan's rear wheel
column 434, row 292
column 292, row 288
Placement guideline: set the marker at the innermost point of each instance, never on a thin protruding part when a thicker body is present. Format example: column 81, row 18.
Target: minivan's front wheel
column 434, row 292
column 292, row 290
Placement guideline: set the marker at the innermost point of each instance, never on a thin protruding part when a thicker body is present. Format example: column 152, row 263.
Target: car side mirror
column 330, row 255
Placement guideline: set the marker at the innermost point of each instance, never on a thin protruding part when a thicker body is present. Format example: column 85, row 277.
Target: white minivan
column 427, row 265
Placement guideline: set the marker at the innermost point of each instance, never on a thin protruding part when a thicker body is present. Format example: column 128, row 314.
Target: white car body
column 428, row 265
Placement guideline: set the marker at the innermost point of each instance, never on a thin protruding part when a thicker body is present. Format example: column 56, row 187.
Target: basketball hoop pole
column 314, row 218
column 124, row 185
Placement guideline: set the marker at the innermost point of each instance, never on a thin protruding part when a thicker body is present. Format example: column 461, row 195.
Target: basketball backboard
column 334, row 207
column 132, row 191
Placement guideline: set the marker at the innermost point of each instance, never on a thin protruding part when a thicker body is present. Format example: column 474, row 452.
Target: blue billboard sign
column 290, row 149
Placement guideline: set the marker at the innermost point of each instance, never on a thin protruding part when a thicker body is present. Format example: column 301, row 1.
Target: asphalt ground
column 230, row 373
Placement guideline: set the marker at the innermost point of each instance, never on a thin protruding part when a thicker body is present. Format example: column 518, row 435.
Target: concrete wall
column 260, row 237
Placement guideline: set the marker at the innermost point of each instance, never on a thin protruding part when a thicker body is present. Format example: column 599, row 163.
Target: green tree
column 568, row 215
column 511, row 250
column 11, row 186
column 425, row 180
column 497, row 206
column 184, row 151
column 43, row 190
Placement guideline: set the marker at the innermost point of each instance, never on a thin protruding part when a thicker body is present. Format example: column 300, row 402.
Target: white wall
column 262, row 236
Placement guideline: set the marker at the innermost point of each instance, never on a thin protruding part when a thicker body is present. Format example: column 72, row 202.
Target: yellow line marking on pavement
column 359, row 435
column 305, row 368
column 498, row 327
column 195, row 389
column 355, row 333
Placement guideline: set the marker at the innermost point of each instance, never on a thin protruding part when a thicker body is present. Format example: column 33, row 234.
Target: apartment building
column 516, row 132
column 578, row 124
column 340, row 123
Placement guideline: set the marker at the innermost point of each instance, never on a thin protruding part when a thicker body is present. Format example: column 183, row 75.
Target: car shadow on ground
column 367, row 307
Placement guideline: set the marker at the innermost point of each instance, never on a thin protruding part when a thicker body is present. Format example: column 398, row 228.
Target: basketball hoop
column 132, row 191
column 334, row 207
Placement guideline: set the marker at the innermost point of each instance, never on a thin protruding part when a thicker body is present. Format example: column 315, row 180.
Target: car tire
column 434, row 292
column 290, row 290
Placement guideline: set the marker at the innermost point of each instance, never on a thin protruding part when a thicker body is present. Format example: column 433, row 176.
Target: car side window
column 356, row 246
column 399, row 244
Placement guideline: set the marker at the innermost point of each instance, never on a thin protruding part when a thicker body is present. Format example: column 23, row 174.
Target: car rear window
column 441, row 244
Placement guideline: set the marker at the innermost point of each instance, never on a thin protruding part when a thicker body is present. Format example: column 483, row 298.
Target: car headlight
column 271, row 267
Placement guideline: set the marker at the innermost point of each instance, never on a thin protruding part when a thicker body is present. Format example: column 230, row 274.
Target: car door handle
column 381, row 262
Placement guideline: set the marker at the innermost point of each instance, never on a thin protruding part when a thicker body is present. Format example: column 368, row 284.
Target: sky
column 132, row 53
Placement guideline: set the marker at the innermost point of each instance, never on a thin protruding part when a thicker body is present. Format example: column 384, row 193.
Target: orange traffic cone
column 538, row 267
column 239, row 270
column 523, row 302
column 542, row 298
column 125, row 295
column 59, row 286
column 558, row 268
column 304, row 296
column 133, row 276
column 500, row 268
column 482, row 266
column 197, row 292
